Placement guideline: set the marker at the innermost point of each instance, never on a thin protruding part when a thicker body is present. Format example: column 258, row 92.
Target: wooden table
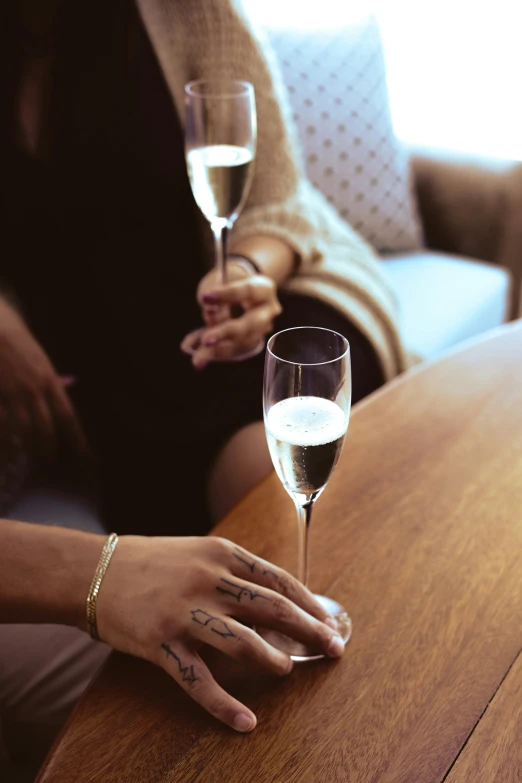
column 419, row 534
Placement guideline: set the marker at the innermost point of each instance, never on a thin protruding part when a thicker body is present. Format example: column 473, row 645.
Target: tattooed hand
column 163, row 598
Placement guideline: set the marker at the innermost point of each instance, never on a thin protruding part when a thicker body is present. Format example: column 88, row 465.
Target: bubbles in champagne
column 306, row 421
column 221, row 155
column 220, row 177
column 305, row 436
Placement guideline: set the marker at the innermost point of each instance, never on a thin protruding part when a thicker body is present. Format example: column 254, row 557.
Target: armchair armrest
column 472, row 207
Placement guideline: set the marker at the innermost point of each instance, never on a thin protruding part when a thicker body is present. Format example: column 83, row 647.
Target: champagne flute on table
column 220, row 146
column 306, row 401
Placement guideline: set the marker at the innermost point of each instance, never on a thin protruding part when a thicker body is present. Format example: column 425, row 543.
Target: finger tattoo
column 237, row 591
column 251, row 564
column 187, row 672
column 268, row 571
column 215, row 624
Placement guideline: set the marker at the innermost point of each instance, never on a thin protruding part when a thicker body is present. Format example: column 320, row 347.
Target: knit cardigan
column 196, row 39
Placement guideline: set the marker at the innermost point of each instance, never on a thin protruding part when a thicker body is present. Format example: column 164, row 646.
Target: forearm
column 9, row 303
column 45, row 573
column 274, row 256
column 9, row 298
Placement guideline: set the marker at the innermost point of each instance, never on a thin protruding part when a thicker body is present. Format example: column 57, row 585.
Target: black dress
column 106, row 248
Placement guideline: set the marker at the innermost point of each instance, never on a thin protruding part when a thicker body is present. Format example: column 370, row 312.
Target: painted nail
column 243, row 722
column 211, row 299
column 336, row 647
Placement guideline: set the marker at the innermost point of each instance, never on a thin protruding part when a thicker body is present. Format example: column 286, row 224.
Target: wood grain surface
column 419, row 535
column 494, row 751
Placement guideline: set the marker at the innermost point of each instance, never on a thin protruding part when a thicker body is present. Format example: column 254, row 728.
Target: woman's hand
column 35, row 410
column 251, row 298
column 162, row 599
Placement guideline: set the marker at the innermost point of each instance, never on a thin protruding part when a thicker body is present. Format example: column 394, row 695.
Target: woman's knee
column 241, row 464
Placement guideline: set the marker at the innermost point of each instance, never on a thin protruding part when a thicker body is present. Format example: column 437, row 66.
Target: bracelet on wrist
column 246, row 262
column 94, row 589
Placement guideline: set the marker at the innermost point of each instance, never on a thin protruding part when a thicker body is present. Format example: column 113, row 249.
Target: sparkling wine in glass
column 220, row 145
column 306, row 401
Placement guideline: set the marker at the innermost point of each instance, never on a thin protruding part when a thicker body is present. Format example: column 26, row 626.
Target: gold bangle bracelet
column 101, row 568
column 246, row 262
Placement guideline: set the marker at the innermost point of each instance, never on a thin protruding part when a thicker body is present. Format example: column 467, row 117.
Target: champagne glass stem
column 219, row 229
column 304, row 519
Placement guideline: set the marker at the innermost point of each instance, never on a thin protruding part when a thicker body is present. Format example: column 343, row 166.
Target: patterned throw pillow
column 336, row 80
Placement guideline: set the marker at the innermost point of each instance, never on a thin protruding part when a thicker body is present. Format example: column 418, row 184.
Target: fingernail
column 243, row 722
column 211, row 299
column 332, row 623
column 67, row 380
column 336, row 647
column 210, row 341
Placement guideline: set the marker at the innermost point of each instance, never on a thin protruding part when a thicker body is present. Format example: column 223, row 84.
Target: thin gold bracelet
column 105, row 558
column 245, row 261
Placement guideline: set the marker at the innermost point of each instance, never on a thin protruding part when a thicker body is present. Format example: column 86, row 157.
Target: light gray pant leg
column 45, row 668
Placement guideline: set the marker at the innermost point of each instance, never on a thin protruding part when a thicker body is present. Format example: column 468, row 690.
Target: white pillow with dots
column 336, row 83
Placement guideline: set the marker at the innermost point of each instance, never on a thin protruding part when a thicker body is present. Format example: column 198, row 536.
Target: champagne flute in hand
column 220, row 144
column 306, row 401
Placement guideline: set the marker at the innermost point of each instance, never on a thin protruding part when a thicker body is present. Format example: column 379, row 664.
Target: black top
column 106, row 248
column 106, row 227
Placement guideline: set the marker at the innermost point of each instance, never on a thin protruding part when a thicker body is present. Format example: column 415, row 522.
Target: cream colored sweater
column 201, row 38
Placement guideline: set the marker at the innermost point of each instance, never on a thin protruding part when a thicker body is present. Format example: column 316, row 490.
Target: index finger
column 255, row 289
column 261, row 572
column 192, row 341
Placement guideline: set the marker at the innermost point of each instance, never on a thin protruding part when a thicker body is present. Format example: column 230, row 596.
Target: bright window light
column 454, row 66
column 306, row 13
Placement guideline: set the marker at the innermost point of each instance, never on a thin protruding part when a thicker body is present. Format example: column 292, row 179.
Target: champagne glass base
column 297, row 650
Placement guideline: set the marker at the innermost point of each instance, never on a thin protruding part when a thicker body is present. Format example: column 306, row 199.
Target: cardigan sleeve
column 281, row 201
column 216, row 39
column 336, row 263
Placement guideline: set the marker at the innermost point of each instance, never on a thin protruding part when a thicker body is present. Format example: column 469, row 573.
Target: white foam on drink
column 220, row 155
column 306, row 421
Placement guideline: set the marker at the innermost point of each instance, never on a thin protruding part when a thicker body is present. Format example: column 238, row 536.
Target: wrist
column 96, row 583
column 78, row 566
column 46, row 572
column 247, row 263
